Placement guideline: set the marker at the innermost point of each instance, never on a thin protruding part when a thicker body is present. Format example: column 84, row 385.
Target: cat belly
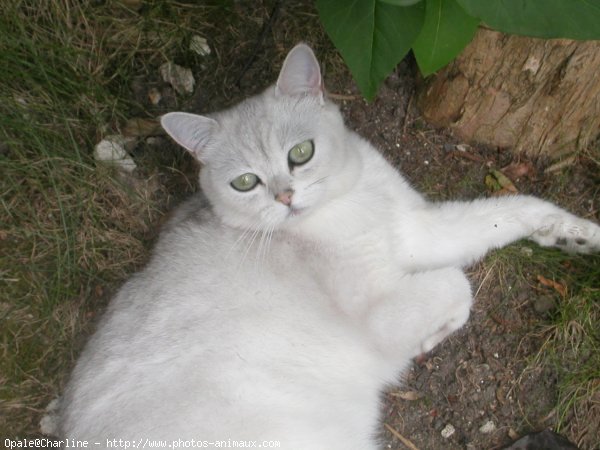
column 278, row 366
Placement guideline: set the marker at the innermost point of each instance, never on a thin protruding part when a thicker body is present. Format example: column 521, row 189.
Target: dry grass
column 69, row 229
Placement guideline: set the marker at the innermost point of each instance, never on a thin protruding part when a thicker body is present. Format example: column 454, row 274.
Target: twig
column 569, row 161
column 342, row 96
column 261, row 37
column 467, row 155
column 407, row 113
column 402, row 439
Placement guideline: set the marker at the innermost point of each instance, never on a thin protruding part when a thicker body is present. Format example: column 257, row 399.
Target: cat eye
column 301, row 153
column 245, row 182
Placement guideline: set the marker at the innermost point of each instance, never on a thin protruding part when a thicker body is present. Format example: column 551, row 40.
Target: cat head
column 275, row 158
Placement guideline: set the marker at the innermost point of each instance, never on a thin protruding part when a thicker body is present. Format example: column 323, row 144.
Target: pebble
column 199, row 45
column 111, row 150
column 180, row 78
column 448, row 431
column 488, row 427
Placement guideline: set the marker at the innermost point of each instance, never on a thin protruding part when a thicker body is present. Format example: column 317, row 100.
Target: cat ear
column 191, row 131
column 300, row 73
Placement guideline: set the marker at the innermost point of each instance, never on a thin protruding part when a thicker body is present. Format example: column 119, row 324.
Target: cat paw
column 569, row 233
column 458, row 319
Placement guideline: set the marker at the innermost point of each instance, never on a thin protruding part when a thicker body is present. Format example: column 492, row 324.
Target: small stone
column 448, row 431
column 488, row 427
column 180, row 78
column 111, row 150
column 462, row 147
column 199, row 45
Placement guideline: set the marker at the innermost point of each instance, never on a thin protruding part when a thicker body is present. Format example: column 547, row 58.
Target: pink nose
column 285, row 197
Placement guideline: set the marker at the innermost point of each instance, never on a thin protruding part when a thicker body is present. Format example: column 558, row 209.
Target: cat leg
column 459, row 233
column 425, row 308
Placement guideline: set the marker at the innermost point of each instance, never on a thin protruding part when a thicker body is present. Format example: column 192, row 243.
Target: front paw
column 569, row 233
column 456, row 319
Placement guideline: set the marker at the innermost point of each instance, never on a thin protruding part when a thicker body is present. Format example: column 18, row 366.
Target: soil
column 473, row 391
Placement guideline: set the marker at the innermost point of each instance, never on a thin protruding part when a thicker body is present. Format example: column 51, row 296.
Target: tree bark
column 535, row 96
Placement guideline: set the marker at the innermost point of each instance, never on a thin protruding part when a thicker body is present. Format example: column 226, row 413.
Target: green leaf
column 573, row 19
column 446, row 31
column 401, row 2
column 372, row 36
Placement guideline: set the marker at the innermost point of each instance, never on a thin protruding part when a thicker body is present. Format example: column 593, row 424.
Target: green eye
column 301, row 153
column 245, row 182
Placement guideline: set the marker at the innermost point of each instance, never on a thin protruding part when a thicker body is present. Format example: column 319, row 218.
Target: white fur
column 255, row 320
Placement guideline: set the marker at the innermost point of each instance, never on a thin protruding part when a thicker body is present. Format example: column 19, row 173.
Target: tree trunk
column 535, row 96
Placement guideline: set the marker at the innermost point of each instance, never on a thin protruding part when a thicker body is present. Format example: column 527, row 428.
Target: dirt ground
column 472, row 391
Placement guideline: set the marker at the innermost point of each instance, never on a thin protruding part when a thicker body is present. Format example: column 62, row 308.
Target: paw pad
column 561, row 241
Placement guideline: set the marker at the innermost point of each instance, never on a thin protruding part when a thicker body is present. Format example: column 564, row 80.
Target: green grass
column 569, row 335
column 572, row 348
column 69, row 229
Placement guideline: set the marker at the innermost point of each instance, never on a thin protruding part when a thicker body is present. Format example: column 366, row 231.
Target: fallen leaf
column 517, row 170
column 560, row 288
column 513, row 434
column 499, row 184
column 138, row 127
column 407, row 395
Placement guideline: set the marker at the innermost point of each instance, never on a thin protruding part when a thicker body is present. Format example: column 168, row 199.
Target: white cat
column 278, row 310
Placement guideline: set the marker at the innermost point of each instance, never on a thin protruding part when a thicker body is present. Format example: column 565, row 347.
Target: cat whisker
column 269, row 239
column 252, row 238
column 242, row 237
column 319, row 181
column 265, row 242
column 260, row 251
